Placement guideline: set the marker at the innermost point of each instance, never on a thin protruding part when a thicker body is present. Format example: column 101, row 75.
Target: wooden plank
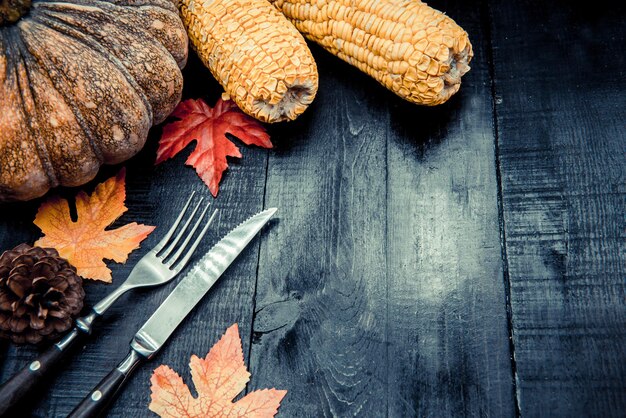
column 380, row 290
column 560, row 113
column 319, row 329
column 155, row 195
column 448, row 332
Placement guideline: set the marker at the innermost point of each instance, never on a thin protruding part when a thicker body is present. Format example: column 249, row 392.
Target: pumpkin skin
column 81, row 83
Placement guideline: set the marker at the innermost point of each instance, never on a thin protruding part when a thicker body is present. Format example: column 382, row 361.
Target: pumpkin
column 81, row 83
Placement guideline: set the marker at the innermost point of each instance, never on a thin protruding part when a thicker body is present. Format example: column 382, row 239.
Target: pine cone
column 40, row 294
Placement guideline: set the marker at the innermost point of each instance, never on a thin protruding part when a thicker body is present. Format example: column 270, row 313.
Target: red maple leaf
column 208, row 127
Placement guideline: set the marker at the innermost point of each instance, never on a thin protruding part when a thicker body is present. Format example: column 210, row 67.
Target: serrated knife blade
column 168, row 316
column 196, row 283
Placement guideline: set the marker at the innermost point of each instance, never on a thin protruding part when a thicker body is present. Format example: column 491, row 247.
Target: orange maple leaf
column 218, row 378
column 85, row 243
column 208, row 126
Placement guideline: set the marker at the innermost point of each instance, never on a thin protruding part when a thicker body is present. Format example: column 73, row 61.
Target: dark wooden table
column 463, row 260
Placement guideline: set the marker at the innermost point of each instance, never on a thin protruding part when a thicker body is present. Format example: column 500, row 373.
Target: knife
column 160, row 326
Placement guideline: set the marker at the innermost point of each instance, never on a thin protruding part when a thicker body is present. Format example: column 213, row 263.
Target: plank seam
column 387, row 260
column 256, row 278
column 487, row 12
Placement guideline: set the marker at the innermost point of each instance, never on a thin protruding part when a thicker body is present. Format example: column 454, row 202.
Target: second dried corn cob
column 412, row 49
column 255, row 53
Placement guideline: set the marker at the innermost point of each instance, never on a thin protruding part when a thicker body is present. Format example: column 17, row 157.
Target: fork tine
column 169, row 234
column 182, row 246
column 179, row 266
column 171, row 246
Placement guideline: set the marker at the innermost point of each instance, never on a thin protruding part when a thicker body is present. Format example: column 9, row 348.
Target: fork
column 160, row 265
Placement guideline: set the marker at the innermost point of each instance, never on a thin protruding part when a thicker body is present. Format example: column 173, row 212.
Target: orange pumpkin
column 81, row 83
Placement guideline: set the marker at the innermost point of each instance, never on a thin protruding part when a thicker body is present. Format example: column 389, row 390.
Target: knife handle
column 99, row 399
column 26, row 381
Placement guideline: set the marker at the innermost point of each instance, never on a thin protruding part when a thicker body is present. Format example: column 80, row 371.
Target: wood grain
column 380, row 292
column 320, row 316
column 561, row 108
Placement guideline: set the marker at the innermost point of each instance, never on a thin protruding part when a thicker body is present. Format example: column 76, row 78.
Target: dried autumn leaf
column 218, row 379
column 85, row 243
column 208, row 127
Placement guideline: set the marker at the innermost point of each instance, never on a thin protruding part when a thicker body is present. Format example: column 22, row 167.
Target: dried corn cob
column 255, row 53
column 412, row 49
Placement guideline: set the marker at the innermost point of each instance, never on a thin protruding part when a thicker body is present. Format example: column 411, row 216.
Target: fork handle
column 27, row 381
column 99, row 399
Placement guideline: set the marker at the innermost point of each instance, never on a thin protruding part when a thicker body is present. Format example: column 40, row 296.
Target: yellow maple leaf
column 218, row 379
column 86, row 242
